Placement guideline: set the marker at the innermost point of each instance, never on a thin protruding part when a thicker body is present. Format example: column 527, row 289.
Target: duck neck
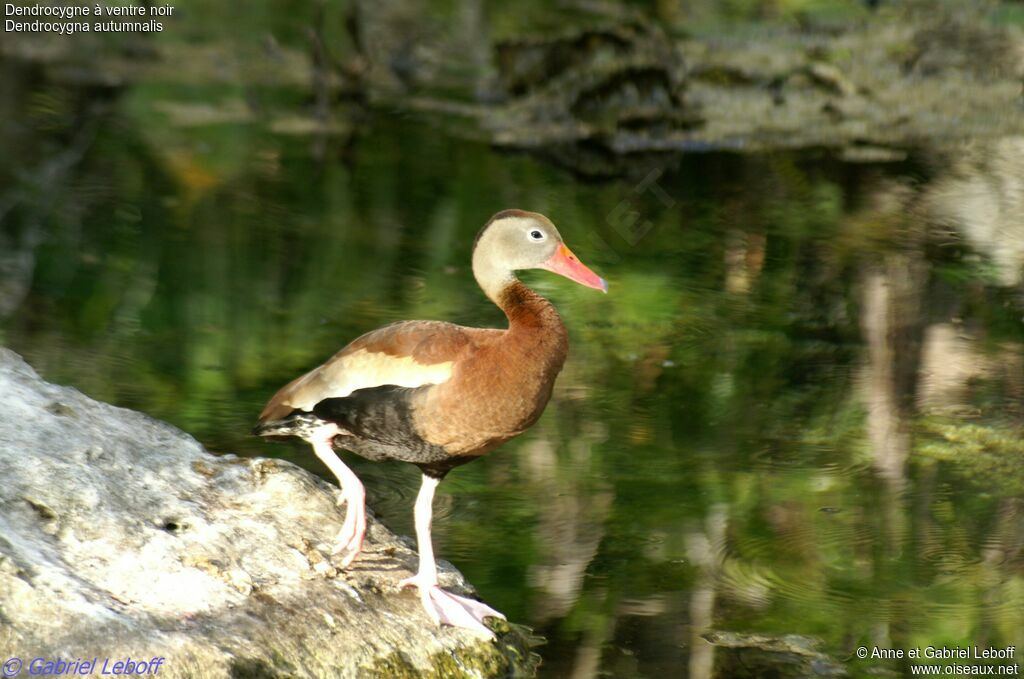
column 536, row 340
column 528, row 312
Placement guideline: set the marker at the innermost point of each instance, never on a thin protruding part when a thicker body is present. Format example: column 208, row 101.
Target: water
column 798, row 411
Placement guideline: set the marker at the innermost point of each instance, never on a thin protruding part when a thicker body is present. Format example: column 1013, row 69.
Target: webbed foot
column 451, row 609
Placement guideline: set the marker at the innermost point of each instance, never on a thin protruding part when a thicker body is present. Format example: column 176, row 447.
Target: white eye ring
column 536, row 235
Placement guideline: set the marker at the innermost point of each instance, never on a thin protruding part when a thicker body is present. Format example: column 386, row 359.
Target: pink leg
column 350, row 538
column 441, row 606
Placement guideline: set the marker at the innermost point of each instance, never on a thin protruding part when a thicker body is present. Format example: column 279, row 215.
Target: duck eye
column 536, row 235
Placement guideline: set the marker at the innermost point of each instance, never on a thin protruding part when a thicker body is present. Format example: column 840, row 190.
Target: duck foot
column 451, row 609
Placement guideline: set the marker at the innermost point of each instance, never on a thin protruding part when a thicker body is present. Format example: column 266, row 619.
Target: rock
column 586, row 96
column 121, row 537
column 611, row 95
column 762, row 655
column 595, row 86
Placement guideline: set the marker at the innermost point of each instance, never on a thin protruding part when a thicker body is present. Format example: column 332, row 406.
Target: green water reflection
column 798, row 411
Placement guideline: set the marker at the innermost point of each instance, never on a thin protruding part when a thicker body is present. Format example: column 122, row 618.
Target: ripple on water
column 784, row 458
column 800, row 551
column 391, row 492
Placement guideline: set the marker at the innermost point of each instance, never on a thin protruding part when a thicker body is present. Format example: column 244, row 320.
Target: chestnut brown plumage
column 436, row 394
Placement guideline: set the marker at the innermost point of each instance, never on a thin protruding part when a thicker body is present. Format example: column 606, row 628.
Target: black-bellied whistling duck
column 438, row 395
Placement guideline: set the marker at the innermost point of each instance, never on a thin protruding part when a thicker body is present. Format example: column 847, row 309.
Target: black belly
column 379, row 426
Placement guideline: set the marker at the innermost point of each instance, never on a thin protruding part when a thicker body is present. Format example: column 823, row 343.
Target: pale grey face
column 522, row 240
column 514, row 240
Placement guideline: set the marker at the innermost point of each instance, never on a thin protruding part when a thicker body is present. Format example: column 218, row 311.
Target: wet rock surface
column 120, row 536
column 581, row 96
column 762, row 655
column 598, row 89
column 597, row 97
column 869, row 91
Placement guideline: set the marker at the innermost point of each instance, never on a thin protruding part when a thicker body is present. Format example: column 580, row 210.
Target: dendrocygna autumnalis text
column 436, row 394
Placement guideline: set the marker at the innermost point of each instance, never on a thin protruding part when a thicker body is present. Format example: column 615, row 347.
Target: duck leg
column 441, row 606
column 350, row 538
